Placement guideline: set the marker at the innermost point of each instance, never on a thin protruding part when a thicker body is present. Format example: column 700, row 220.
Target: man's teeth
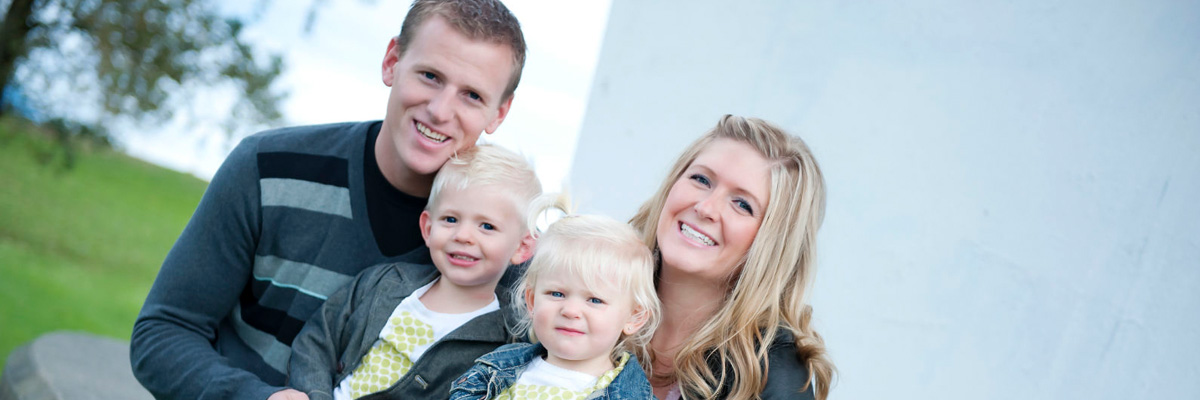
column 429, row 133
column 697, row 236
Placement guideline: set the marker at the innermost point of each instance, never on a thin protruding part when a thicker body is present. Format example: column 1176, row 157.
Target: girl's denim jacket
column 496, row 371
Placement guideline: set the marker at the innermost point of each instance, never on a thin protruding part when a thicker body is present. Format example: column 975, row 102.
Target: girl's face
column 579, row 327
column 713, row 212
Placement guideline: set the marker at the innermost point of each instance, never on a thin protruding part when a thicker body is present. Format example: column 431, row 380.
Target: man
column 295, row 213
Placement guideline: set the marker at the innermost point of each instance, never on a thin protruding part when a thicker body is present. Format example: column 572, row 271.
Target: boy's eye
column 595, row 301
column 450, row 219
column 700, row 178
column 555, row 293
column 487, row 227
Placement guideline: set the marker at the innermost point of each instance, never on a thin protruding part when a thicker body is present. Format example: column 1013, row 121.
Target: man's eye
column 475, row 96
column 428, row 75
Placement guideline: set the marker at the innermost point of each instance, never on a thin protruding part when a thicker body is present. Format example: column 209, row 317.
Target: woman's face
column 713, row 211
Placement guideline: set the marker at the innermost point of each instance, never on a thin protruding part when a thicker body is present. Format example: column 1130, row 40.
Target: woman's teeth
column 695, row 235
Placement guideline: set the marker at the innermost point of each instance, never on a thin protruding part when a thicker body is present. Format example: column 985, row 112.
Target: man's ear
column 524, row 250
column 500, row 115
column 390, row 59
column 636, row 321
column 426, row 226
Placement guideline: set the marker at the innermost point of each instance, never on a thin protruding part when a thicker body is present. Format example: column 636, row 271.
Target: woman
column 734, row 226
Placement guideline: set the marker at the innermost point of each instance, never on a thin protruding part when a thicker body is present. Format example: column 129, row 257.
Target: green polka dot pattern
column 390, row 358
column 528, row 392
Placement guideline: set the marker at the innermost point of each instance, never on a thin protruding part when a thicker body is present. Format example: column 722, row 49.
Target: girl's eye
column 595, row 301
column 554, row 293
column 487, row 227
column 450, row 219
column 745, row 205
column 701, row 179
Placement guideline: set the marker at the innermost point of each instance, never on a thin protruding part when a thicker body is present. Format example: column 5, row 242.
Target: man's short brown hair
column 487, row 20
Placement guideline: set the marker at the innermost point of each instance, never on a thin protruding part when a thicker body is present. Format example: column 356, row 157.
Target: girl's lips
column 568, row 331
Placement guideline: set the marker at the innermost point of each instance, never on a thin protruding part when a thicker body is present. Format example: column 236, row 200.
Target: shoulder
column 410, row 276
column 511, row 355
column 325, row 139
column 787, row 372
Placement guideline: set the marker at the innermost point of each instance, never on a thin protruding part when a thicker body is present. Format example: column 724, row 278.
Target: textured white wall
column 1014, row 186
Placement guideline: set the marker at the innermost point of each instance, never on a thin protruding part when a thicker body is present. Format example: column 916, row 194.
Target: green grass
column 80, row 247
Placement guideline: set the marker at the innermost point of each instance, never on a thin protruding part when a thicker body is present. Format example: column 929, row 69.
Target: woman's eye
column 701, row 179
column 487, row 227
column 744, row 205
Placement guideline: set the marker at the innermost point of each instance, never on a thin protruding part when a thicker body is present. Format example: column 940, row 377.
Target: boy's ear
column 636, row 321
column 426, row 226
column 524, row 251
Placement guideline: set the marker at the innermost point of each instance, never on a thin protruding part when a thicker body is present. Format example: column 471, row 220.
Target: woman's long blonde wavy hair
column 768, row 291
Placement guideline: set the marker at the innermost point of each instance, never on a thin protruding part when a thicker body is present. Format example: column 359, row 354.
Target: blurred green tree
column 135, row 59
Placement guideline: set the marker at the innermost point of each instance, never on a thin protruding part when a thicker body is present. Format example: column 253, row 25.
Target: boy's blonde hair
column 599, row 250
column 488, row 164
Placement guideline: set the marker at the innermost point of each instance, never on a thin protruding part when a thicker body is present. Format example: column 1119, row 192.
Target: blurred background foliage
column 81, row 66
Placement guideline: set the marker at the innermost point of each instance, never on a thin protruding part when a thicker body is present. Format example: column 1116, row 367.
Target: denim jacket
column 498, row 370
column 334, row 341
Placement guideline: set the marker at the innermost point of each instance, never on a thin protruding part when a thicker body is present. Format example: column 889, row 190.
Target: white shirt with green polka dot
column 544, row 381
column 410, row 330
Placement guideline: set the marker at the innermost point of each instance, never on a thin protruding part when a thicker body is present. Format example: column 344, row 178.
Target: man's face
column 446, row 90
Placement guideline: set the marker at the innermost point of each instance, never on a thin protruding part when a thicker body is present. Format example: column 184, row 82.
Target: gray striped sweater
column 281, row 227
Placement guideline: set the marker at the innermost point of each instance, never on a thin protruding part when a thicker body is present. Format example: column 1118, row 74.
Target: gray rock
column 70, row 365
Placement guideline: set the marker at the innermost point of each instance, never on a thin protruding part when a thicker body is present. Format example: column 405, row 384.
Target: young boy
column 411, row 329
column 294, row 214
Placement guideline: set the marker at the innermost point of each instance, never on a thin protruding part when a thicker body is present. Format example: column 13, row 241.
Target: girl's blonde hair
column 600, row 251
column 768, row 291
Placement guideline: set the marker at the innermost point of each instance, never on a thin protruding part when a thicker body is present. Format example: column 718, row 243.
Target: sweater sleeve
column 317, row 349
column 172, row 348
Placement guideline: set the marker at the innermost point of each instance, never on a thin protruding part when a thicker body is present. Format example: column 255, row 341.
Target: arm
column 472, row 385
column 317, row 349
column 172, row 350
column 787, row 374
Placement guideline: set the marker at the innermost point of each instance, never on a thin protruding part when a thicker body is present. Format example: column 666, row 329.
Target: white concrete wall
column 1014, row 186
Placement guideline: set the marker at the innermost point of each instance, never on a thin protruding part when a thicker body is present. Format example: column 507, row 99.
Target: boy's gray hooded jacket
column 333, row 342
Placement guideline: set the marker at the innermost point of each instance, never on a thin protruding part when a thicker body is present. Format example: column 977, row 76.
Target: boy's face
column 473, row 235
column 446, row 89
column 579, row 327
